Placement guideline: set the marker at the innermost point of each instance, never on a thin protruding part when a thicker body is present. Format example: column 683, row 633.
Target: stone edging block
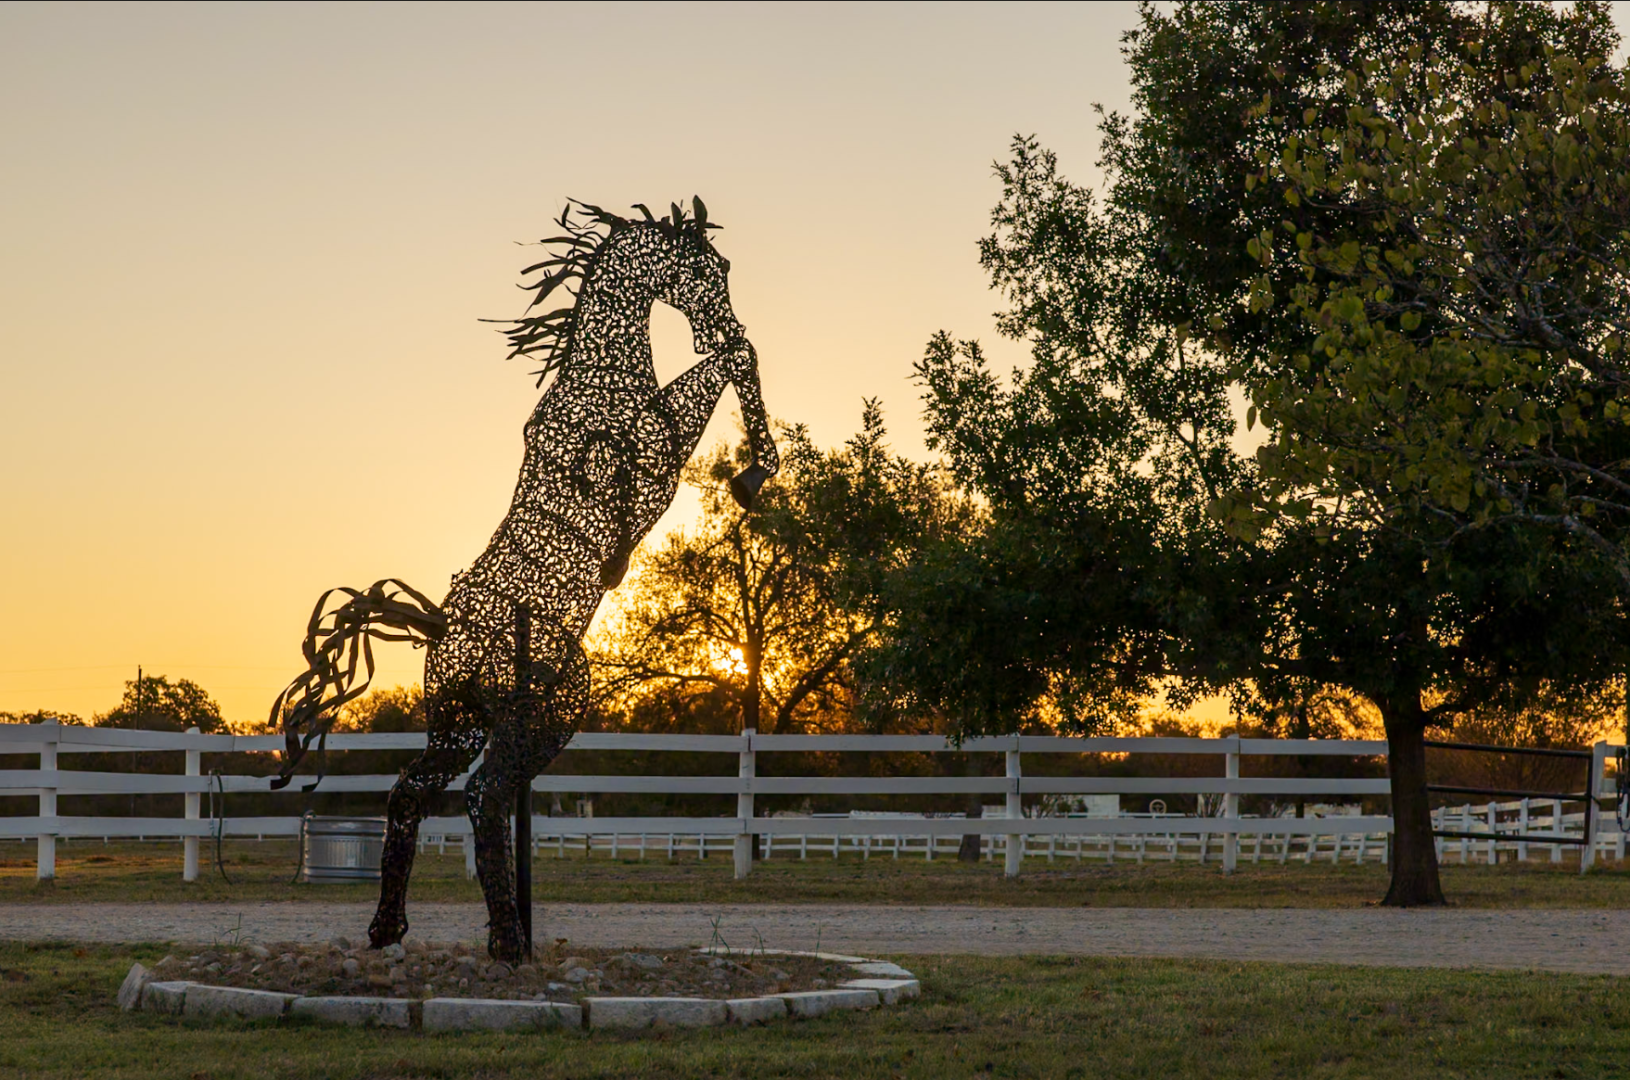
column 633, row 1013
column 808, row 1003
column 355, row 1011
column 493, row 1014
column 130, row 991
column 882, row 983
column 889, row 991
column 209, row 1002
column 164, row 997
column 755, row 1010
column 882, row 969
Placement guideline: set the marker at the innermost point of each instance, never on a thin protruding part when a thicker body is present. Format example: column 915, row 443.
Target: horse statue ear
column 744, row 485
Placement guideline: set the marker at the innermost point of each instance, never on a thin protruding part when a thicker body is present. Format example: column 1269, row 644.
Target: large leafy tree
column 1384, row 597
column 1120, row 554
column 1450, row 369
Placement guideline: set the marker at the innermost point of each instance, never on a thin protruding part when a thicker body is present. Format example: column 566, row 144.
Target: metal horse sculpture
column 505, row 670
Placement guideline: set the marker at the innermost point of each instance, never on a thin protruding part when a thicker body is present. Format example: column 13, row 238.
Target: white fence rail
column 1014, row 835
column 1154, row 838
column 1504, row 822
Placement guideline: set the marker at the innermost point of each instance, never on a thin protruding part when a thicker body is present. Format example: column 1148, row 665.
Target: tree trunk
column 751, row 706
column 752, row 694
column 969, row 851
column 1414, row 855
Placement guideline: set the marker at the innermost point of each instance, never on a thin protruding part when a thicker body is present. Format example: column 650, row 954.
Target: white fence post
column 45, row 865
column 1556, row 827
column 1593, row 783
column 1231, row 810
column 189, row 845
column 1015, row 810
column 1522, row 827
column 467, row 838
column 744, row 805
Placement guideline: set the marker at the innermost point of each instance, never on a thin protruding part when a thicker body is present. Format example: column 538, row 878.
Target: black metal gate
column 1518, row 793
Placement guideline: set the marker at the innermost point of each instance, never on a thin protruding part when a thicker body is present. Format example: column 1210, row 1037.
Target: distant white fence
column 1503, row 822
column 1159, row 838
column 1013, row 834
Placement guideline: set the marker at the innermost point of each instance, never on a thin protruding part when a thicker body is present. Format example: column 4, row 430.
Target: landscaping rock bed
column 422, row 971
column 434, row 988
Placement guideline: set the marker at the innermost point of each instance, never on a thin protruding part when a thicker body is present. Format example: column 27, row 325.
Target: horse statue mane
column 505, row 673
column 548, row 337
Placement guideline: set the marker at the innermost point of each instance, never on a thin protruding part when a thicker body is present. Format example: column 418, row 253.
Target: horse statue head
column 670, row 259
column 613, row 268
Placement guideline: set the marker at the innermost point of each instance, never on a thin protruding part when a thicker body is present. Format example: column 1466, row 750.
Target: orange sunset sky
column 246, row 248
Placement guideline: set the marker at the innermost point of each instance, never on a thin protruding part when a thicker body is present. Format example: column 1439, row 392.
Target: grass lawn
column 979, row 1017
column 90, row 871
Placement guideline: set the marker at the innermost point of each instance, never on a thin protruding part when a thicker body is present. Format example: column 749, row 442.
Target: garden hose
column 219, row 820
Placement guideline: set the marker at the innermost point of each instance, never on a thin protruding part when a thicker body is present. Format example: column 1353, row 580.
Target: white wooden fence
column 1160, row 838
column 1014, row 834
column 1502, row 822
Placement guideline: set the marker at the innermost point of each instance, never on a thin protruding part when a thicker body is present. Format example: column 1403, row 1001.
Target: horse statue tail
column 340, row 660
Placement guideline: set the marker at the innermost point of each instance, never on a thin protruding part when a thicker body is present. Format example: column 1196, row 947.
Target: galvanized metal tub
column 341, row 848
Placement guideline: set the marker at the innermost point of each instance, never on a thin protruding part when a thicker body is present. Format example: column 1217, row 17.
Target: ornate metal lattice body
column 505, row 670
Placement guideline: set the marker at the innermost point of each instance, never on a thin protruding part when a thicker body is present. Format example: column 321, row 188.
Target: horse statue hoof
column 745, row 484
column 507, row 948
column 383, row 934
column 613, row 572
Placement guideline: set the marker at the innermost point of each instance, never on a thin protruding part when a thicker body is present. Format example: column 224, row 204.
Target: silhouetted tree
column 768, row 610
column 397, row 709
column 154, row 703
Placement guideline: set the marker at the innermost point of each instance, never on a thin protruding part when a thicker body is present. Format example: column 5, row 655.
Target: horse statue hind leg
column 452, row 743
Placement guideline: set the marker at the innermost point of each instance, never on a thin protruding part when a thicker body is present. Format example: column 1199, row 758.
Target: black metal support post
column 1509, row 793
column 523, row 794
column 523, row 860
column 1532, row 751
column 1590, row 812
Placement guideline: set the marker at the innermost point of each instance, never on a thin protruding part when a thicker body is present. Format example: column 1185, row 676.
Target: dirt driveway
column 1545, row 940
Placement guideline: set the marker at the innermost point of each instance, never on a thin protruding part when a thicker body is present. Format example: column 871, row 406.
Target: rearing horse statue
column 505, row 669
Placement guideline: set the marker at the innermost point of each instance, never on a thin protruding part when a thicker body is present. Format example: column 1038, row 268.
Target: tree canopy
column 398, row 709
column 757, row 618
column 1464, row 351
column 154, row 703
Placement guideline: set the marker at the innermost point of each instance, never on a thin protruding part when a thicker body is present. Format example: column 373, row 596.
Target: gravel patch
column 420, row 970
column 1581, row 940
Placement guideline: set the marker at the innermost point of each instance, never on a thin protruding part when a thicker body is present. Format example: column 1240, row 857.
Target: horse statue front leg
column 745, row 485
